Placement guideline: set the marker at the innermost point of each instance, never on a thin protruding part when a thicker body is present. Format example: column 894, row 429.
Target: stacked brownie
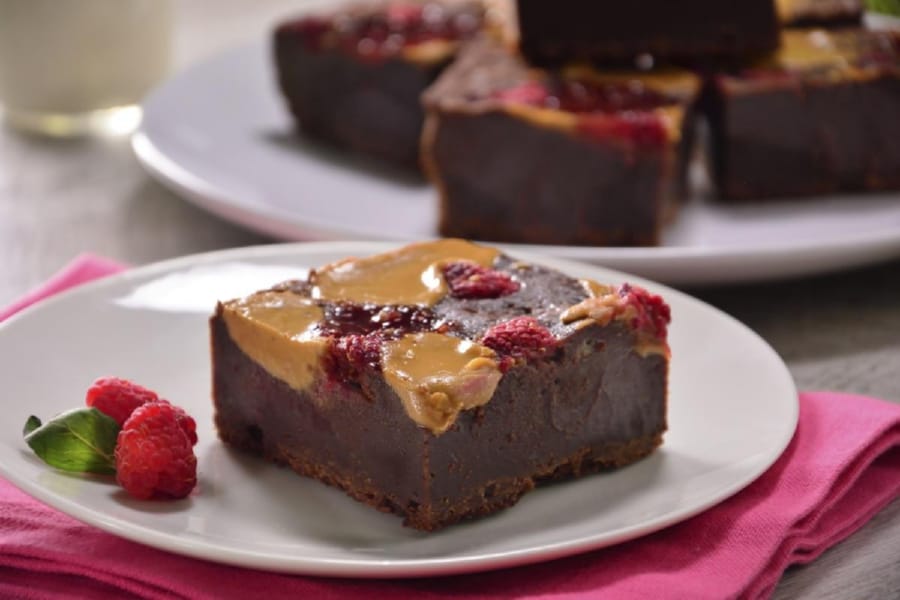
column 573, row 123
column 819, row 116
column 572, row 155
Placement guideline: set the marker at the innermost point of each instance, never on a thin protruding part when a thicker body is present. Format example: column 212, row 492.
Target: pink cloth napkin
column 842, row 466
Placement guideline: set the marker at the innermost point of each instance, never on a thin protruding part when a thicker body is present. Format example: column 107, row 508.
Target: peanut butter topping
column 671, row 115
column 646, row 347
column 801, row 50
column 430, row 52
column 409, row 275
column 542, row 117
column 792, row 10
column 438, row 376
column 275, row 329
column 786, row 9
column 596, row 289
column 601, row 309
column 666, row 81
column 672, row 118
column 605, row 305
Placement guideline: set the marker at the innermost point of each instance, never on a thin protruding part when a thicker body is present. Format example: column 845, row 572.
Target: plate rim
column 267, row 221
column 378, row 568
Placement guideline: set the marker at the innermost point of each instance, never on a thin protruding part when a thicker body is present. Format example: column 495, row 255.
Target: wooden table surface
column 58, row 199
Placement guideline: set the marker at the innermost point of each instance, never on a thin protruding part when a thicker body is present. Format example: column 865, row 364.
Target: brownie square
column 568, row 156
column 443, row 380
column 686, row 30
column 353, row 78
column 822, row 115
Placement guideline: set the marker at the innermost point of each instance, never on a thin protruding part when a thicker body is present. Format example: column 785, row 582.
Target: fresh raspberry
column 521, row 337
column 118, row 397
column 185, row 421
column 470, row 280
column 154, row 457
column 652, row 314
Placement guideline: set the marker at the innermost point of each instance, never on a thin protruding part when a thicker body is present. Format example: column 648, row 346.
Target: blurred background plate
column 219, row 136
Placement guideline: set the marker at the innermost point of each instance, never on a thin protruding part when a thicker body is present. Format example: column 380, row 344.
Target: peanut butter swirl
column 604, row 305
column 838, row 55
column 275, row 329
column 806, row 49
column 437, row 376
column 409, row 275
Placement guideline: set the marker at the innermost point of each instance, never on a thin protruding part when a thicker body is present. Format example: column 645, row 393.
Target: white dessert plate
column 733, row 409
column 218, row 134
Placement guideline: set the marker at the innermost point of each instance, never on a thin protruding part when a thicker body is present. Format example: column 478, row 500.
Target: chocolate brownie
column 819, row 13
column 686, row 30
column 568, row 156
column 443, row 380
column 820, row 116
column 353, row 78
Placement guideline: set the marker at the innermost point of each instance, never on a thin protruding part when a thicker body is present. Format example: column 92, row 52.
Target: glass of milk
column 73, row 67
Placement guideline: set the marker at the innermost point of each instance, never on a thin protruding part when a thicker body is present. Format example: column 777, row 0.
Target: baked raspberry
column 521, row 337
column 403, row 16
column 530, row 92
column 586, row 97
column 154, row 457
column 361, row 350
column 652, row 314
column 606, row 110
column 347, row 318
column 643, row 129
column 469, row 280
column 350, row 354
column 117, row 397
column 386, row 30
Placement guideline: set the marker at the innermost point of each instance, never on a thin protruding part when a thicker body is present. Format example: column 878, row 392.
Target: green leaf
column 31, row 424
column 82, row 440
column 889, row 7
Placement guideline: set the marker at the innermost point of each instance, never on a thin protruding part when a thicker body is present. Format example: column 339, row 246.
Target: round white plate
column 219, row 136
column 733, row 409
